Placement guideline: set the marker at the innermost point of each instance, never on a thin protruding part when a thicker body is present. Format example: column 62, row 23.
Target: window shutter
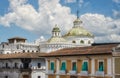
column 63, row 67
column 52, row 66
column 85, row 66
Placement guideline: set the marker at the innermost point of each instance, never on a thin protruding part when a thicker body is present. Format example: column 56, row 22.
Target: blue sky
column 34, row 18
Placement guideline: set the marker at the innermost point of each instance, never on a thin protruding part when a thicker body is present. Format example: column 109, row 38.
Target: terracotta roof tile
column 21, row 55
column 97, row 49
column 17, row 38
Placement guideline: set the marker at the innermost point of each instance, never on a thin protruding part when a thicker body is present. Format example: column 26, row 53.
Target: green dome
column 78, row 31
column 56, row 29
column 77, row 21
column 56, row 40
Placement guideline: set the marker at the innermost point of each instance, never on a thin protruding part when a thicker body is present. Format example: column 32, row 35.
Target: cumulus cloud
column 116, row 1
column 70, row 1
column 78, row 2
column 116, row 13
column 105, row 29
column 51, row 12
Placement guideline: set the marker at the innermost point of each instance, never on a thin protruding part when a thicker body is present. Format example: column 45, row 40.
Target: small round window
column 89, row 42
column 73, row 42
column 82, row 41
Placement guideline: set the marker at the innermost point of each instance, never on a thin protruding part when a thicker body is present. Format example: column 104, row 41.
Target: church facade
column 71, row 55
column 98, row 61
column 75, row 37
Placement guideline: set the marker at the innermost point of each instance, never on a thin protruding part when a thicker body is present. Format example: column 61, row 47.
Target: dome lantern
column 77, row 23
column 56, row 31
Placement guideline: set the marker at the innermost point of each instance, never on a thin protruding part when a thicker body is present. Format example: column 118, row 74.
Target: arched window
column 6, row 76
column 28, row 51
column 82, row 41
column 73, row 42
column 23, row 51
column 16, row 64
column 3, row 46
column 6, row 65
column 89, row 42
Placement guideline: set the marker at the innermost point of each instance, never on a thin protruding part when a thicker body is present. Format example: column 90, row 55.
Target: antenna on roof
column 77, row 14
column 77, row 8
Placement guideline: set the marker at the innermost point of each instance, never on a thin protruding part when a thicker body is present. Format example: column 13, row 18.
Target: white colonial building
column 75, row 37
column 22, row 65
column 17, row 45
column 19, row 59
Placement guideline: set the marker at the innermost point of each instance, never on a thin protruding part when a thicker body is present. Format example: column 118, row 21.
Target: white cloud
column 105, row 29
column 116, row 14
column 81, row 3
column 51, row 12
column 78, row 2
column 116, row 1
column 70, row 1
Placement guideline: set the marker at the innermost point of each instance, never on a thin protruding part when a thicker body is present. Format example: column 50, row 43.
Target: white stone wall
column 9, row 73
column 7, row 48
column 35, row 62
column 12, row 72
column 78, row 39
column 36, row 73
column 49, row 47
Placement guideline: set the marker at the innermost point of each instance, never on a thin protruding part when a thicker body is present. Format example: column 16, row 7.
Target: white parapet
column 72, row 72
column 50, row 72
column 84, row 73
column 62, row 72
column 99, row 73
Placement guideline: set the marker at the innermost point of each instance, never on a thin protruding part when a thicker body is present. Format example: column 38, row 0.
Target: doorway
column 73, row 77
column 26, row 76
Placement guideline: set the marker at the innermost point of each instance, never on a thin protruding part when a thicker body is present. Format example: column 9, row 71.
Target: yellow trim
column 68, row 65
column 48, row 64
column 105, row 66
column 79, row 66
column 96, row 65
column 51, row 76
column 89, row 65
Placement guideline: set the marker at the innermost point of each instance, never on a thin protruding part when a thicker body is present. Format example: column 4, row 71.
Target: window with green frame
column 52, row 66
column 73, row 42
column 74, row 66
column 101, row 67
column 82, row 41
column 63, row 66
column 85, row 66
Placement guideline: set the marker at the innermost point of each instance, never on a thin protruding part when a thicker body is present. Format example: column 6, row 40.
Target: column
column 93, row 66
column 113, row 67
column 46, row 61
column 109, row 66
column 57, row 67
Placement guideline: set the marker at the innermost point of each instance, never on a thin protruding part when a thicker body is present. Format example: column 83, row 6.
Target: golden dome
column 56, row 40
column 79, row 31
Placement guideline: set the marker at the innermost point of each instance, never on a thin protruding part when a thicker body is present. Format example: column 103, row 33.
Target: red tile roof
column 21, row 55
column 91, row 50
column 17, row 38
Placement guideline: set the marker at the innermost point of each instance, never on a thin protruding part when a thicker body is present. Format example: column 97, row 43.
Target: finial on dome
column 56, row 28
column 77, row 14
column 55, row 25
column 56, row 31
